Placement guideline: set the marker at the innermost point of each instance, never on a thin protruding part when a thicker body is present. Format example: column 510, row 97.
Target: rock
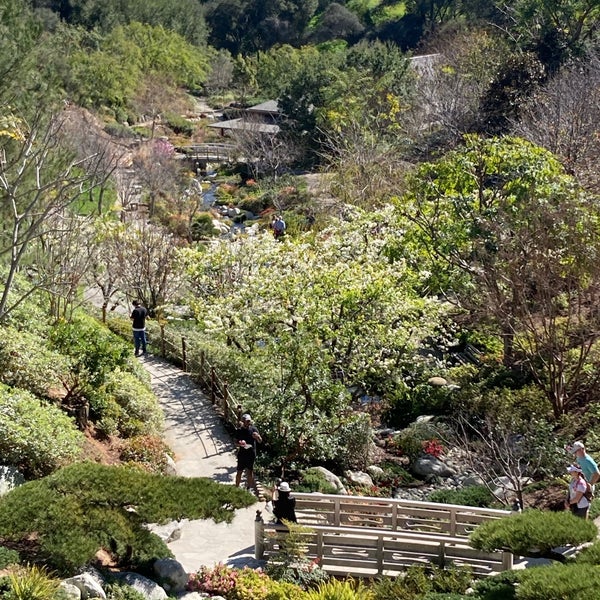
column 87, row 584
column 10, row 478
column 505, row 490
column 70, row 591
column 169, row 532
column 197, row 596
column 375, row 471
column 424, row 419
column 150, row 589
column 427, row 466
column 472, row 479
column 171, row 573
column 437, row 381
column 359, row 478
column 332, row 479
column 171, row 468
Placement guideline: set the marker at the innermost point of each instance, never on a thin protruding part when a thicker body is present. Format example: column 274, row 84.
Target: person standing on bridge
column 247, row 436
column 138, row 321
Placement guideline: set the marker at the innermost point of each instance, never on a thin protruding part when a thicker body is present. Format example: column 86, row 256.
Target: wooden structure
column 365, row 537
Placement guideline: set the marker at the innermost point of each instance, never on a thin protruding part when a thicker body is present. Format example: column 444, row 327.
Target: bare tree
column 39, row 182
column 563, row 117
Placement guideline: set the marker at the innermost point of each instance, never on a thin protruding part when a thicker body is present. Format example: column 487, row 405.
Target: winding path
column 202, row 448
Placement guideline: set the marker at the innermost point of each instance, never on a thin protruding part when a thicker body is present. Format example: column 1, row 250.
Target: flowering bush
column 219, row 580
column 433, row 447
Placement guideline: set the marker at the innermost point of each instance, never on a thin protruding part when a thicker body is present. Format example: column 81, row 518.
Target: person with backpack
column 577, row 501
column 138, row 321
column 588, row 465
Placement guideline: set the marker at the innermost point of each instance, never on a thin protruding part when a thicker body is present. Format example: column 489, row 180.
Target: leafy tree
column 513, row 240
column 336, row 22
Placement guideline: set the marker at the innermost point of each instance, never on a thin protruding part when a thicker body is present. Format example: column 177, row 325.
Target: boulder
column 332, row 479
column 171, row 468
column 148, row 588
column 70, row 591
column 10, row 478
column 505, row 490
column 375, row 471
column 171, row 574
column 359, row 478
column 428, row 466
column 88, row 586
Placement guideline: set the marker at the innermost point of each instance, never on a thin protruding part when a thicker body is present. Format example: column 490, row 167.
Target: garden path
column 202, row 448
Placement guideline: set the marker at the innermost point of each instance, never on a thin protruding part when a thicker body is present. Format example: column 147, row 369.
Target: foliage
column 497, row 587
column 558, row 582
column 35, row 436
column 82, row 508
column 218, row 580
column 32, row 583
column 533, row 533
column 27, row 362
column 8, row 557
column 147, row 451
column 290, row 564
column 179, row 124
column 121, row 591
column 473, row 495
column 312, row 480
column 334, row 589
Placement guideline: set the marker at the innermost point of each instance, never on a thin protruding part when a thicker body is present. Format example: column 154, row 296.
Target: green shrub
column 203, row 227
column 589, row 555
column 473, row 495
column 334, row 589
column 8, row 557
column 497, row 587
column 442, row 596
column 119, row 130
column 80, row 509
column 140, row 412
column 312, row 480
column 32, row 583
column 26, row 362
column 121, row 591
column 179, row 124
column 573, row 581
column 148, row 451
column 35, row 436
column 256, row 585
column 533, row 533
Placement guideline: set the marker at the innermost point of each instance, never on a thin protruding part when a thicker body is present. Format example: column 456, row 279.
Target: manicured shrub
column 497, row 587
column 150, row 452
column 253, row 584
column 313, row 480
column 533, row 533
column 473, row 495
column 589, row 555
column 140, row 412
column 80, row 509
column 559, row 582
column 31, row 583
column 26, row 362
column 122, row 591
column 179, row 125
column 35, row 436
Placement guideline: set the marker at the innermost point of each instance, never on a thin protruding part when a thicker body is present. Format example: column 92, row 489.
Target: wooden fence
column 378, row 536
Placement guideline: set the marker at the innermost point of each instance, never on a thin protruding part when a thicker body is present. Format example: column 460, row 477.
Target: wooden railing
column 373, row 536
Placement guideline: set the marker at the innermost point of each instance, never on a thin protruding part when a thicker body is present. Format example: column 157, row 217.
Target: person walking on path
column 278, row 227
column 247, row 436
column 138, row 319
column 577, row 502
column 284, row 505
column 588, row 465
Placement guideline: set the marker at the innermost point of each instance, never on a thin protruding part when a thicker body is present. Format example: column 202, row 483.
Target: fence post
column 183, row 354
column 259, row 536
column 163, row 351
column 226, row 402
column 213, row 385
column 507, row 561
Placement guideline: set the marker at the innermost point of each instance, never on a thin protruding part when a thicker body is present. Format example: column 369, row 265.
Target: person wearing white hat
column 585, row 461
column 284, row 507
column 246, row 435
column 577, row 502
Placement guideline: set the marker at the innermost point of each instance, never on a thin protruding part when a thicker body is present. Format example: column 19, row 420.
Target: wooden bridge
column 217, row 153
column 365, row 537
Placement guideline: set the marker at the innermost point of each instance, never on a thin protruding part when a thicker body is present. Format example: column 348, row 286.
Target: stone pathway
column 202, row 448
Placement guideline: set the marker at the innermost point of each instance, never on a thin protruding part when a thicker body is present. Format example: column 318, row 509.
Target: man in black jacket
column 138, row 320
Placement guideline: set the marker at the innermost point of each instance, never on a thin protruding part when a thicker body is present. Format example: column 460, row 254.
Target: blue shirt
column 588, row 466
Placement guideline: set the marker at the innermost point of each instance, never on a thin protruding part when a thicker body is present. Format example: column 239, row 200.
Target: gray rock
column 87, row 585
column 424, row 419
column 70, row 591
column 150, row 589
column 169, row 532
column 359, row 478
column 171, row 573
column 10, row 478
column 332, row 479
column 171, row 468
column 505, row 490
column 427, row 465
column 472, row 479
column 374, row 471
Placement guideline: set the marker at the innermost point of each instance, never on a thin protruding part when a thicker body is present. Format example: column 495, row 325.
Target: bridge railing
column 372, row 536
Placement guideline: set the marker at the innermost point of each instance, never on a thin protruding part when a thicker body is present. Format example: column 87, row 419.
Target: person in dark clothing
column 284, row 506
column 138, row 320
column 246, row 435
